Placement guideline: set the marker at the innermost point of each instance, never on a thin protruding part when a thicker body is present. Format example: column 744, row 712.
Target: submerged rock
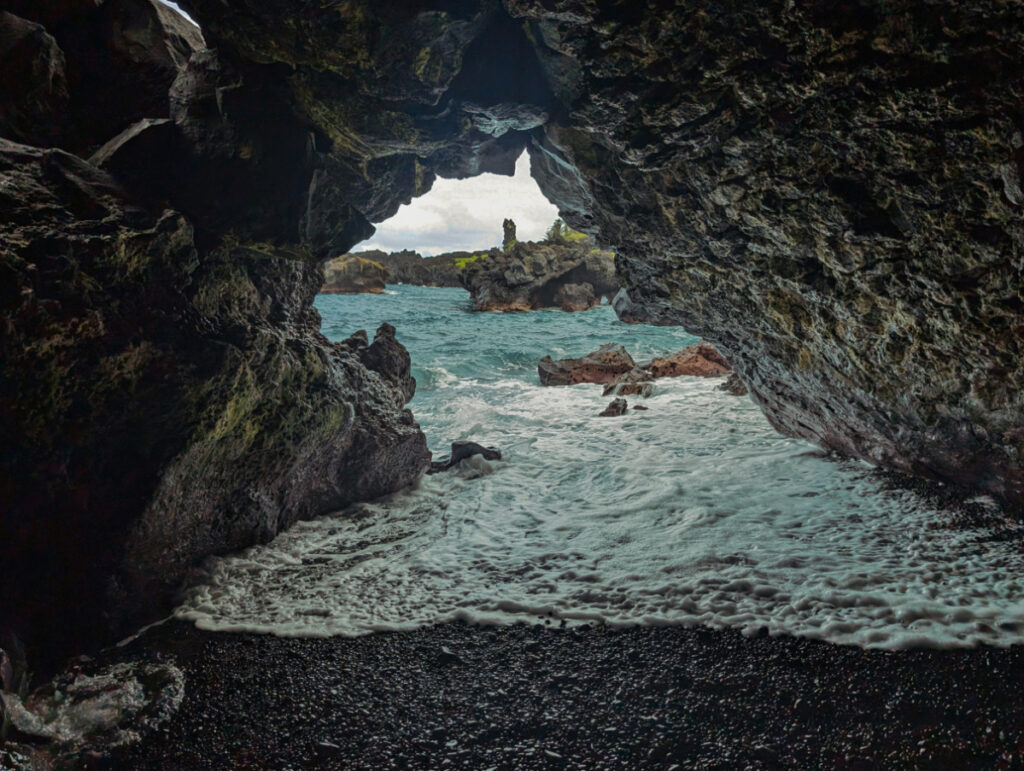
column 349, row 274
column 600, row 366
column 635, row 382
column 460, row 452
column 616, row 408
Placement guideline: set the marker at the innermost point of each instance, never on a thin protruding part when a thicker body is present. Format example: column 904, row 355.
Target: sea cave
column 222, row 416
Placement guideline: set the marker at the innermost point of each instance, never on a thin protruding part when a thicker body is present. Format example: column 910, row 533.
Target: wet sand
column 458, row 696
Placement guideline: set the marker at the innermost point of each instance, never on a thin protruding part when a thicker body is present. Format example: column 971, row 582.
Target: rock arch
column 830, row 194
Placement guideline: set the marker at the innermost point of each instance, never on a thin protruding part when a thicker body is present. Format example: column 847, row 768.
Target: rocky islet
column 349, row 274
column 567, row 270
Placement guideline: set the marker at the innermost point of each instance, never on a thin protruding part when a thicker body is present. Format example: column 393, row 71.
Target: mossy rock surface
column 351, row 274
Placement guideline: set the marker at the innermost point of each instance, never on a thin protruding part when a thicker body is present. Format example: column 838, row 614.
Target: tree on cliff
column 509, row 239
column 554, row 234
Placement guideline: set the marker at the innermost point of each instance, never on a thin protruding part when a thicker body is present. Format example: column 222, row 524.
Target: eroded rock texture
column 349, row 274
column 539, row 274
column 829, row 192
column 409, row 267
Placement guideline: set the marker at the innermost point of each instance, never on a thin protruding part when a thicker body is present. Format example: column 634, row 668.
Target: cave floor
column 460, row 696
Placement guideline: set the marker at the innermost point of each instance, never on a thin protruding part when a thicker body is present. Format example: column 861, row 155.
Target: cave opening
column 801, row 189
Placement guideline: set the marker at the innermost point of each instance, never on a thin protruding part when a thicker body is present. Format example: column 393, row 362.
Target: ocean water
column 693, row 512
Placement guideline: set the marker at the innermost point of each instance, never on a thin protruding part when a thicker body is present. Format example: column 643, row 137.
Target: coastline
column 460, row 696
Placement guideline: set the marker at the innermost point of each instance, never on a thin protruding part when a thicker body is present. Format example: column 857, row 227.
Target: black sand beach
column 457, row 696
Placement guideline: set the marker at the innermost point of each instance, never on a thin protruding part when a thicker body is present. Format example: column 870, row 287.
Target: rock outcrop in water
column 698, row 360
column 350, row 274
column 615, row 409
column 573, row 275
column 462, row 451
column 409, row 267
column 600, row 366
column 829, row 194
column 637, row 382
column 612, row 364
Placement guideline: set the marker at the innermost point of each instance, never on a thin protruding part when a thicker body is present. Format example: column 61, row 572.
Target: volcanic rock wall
column 828, row 191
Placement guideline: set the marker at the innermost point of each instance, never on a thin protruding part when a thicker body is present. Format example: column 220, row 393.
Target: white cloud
column 465, row 215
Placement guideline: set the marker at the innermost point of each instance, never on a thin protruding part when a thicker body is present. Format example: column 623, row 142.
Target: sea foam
column 693, row 512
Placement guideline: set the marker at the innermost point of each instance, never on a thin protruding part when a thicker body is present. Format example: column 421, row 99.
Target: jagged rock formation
column 601, row 366
column 697, row 360
column 508, row 231
column 733, row 385
column 829, row 193
column 165, row 392
column 528, row 275
column 349, row 274
column 409, row 267
column 612, row 364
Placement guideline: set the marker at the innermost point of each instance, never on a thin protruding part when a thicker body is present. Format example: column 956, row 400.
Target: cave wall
column 829, row 192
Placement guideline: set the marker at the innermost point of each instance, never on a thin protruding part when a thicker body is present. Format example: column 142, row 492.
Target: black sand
column 458, row 696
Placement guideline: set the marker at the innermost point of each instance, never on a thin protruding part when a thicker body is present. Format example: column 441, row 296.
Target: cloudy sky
column 466, row 214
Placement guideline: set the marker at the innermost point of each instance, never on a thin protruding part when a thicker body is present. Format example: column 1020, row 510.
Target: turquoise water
column 448, row 344
column 692, row 512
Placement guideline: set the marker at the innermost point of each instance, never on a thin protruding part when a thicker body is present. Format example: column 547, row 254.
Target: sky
column 466, row 215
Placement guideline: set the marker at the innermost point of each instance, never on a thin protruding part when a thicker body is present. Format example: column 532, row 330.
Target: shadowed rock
column 33, row 82
column 460, row 452
column 210, row 411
